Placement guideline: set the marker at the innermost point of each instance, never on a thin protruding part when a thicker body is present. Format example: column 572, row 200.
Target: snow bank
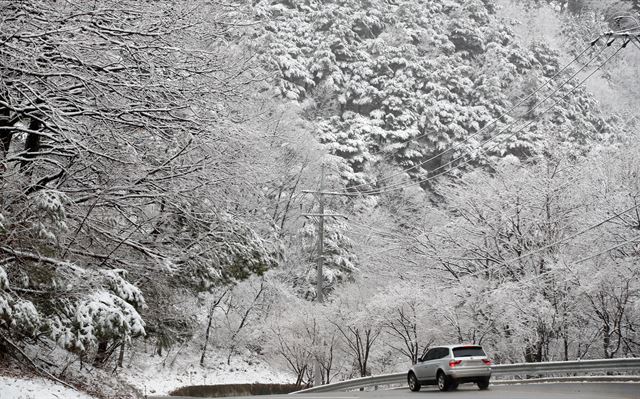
column 37, row 388
column 150, row 377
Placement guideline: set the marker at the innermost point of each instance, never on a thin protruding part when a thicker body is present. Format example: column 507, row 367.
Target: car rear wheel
column 484, row 384
column 414, row 384
column 443, row 381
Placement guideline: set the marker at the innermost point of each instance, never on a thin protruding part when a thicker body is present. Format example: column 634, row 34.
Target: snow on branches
column 50, row 215
column 99, row 317
column 112, row 188
column 416, row 78
column 4, row 282
column 124, row 289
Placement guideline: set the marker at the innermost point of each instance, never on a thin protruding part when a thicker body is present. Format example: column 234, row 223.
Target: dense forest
column 162, row 166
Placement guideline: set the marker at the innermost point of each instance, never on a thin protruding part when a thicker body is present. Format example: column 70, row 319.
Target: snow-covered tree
column 414, row 79
column 124, row 132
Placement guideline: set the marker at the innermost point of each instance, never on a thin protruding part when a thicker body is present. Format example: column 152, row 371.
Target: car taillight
column 487, row 362
column 453, row 363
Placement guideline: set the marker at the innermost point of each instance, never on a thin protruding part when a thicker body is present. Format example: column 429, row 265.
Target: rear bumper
column 470, row 374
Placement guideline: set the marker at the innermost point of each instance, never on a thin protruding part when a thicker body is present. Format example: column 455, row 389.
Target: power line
column 370, row 236
column 493, row 122
column 600, row 253
column 636, row 238
column 541, row 249
column 553, row 244
column 381, row 232
column 401, row 185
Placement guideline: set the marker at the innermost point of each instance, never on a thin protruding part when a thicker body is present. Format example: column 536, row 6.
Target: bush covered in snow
column 49, row 205
column 25, row 318
column 100, row 317
column 124, row 289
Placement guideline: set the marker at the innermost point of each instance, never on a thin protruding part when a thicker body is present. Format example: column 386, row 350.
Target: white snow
column 36, row 388
column 154, row 379
column 4, row 282
column 123, row 288
column 102, row 313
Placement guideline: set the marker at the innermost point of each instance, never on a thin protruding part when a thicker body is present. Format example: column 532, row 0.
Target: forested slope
column 405, row 81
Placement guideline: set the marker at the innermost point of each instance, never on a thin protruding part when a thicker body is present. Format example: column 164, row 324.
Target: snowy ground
column 36, row 388
column 151, row 377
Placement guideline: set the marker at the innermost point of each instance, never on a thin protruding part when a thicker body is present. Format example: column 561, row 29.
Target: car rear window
column 468, row 351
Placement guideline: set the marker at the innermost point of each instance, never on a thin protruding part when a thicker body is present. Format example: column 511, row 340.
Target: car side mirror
column 420, row 359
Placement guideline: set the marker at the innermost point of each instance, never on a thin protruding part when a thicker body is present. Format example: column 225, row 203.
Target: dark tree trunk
column 206, row 335
column 121, row 355
column 214, row 305
column 5, row 141
column 5, row 135
column 31, row 145
column 101, row 354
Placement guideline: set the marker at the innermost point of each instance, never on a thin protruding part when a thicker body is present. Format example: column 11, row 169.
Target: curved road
column 525, row 391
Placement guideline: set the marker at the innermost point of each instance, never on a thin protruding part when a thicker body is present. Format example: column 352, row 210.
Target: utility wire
column 385, row 233
column 634, row 239
column 553, row 244
column 491, row 138
column 493, row 122
column 393, row 188
column 401, row 185
column 600, row 253
column 368, row 235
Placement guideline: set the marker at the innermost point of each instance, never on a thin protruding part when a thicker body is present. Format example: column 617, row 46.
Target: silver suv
column 448, row 366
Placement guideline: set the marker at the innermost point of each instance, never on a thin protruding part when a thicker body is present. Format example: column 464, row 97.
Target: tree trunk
column 101, row 354
column 206, row 338
column 5, row 135
column 121, row 355
column 606, row 341
column 300, row 376
column 31, row 145
column 212, row 309
column 5, row 141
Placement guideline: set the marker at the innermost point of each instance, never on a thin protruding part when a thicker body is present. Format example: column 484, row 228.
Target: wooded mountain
column 405, row 81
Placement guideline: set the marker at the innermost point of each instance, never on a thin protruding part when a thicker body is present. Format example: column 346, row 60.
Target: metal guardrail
column 571, row 367
column 385, row 379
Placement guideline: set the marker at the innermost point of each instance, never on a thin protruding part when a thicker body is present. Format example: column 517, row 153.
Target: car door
column 423, row 364
column 431, row 367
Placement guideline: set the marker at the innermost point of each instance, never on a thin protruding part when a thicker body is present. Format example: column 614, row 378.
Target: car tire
column 484, row 384
column 443, row 381
column 414, row 384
